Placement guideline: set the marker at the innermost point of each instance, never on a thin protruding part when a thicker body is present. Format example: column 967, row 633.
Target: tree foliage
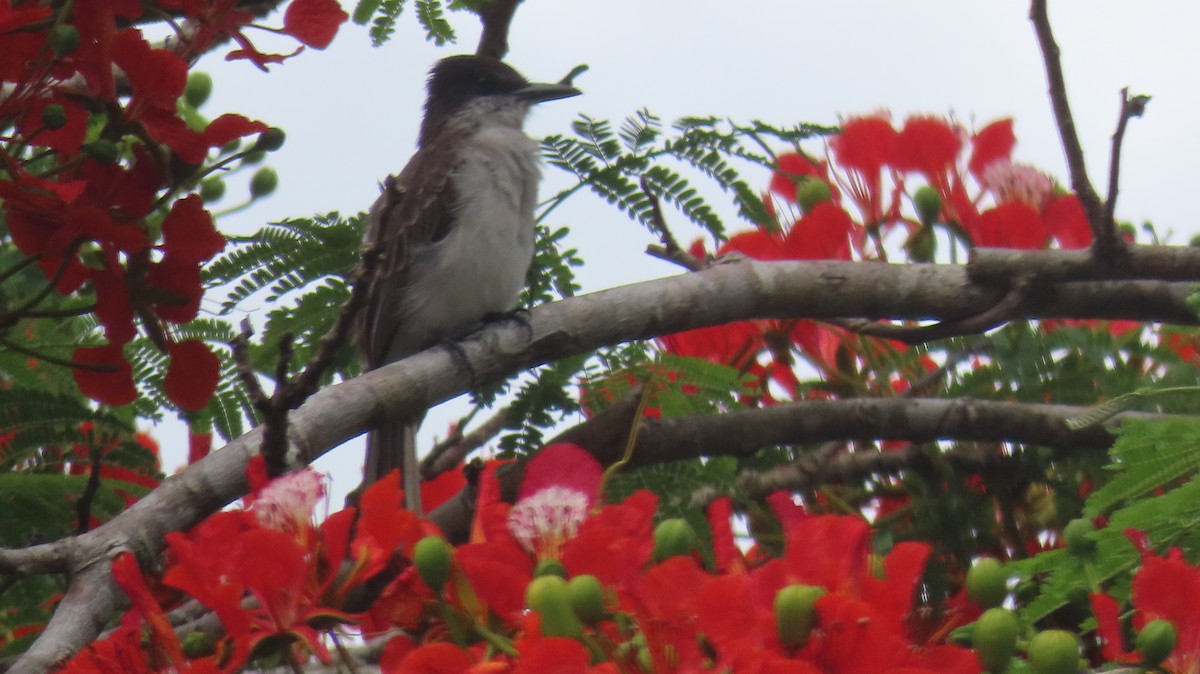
column 109, row 171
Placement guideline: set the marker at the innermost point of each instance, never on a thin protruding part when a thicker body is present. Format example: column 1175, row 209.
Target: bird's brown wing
column 412, row 212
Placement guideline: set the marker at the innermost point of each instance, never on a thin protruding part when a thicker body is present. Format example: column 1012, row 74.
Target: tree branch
column 723, row 293
column 1150, row 263
column 496, row 16
column 1104, row 232
column 1130, row 108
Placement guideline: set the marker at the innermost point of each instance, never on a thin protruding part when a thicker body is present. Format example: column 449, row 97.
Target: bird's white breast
column 479, row 267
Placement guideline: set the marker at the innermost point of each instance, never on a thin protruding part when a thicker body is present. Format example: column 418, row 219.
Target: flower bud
column 928, row 204
column 987, row 584
column 922, row 245
column 197, row 645
column 1054, row 652
column 796, row 613
column 264, row 182
column 812, row 191
column 995, row 638
column 549, row 567
column 587, row 598
column 54, row 116
column 673, row 537
column 64, row 39
column 432, row 556
column 102, row 150
column 550, row 597
column 212, row 190
column 1156, row 641
column 199, row 87
column 269, row 140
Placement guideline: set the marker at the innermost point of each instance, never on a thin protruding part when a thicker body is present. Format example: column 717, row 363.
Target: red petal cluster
column 105, row 199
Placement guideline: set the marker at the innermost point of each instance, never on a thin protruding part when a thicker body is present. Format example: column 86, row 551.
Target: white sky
column 351, row 112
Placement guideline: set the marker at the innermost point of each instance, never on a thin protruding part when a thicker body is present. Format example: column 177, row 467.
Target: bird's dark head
column 459, row 81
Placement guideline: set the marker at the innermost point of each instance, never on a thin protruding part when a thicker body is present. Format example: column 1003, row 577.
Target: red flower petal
column 229, row 127
column 314, row 22
column 1011, row 225
column 436, row 658
column 791, row 166
column 188, row 232
column 67, row 138
column 113, row 307
column 928, row 145
column 112, row 387
column 562, row 465
column 993, row 143
column 822, row 234
column 1067, row 221
column 180, row 282
column 865, row 145
column 192, row 375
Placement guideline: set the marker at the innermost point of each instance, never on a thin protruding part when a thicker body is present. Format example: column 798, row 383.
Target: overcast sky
column 351, row 112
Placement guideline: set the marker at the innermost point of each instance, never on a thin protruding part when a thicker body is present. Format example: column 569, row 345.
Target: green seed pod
column 199, row 88
column 550, row 597
column 212, row 190
column 1054, row 652
column 796, row 613
column 54, row 116
column 198, row 645
column 995, row 638
column 587, row 598
column 64, row 39
column 812, row 191
column 922, row 245
column 433, row 556
column 673, row 537
column 987, row 584
column 264, row 182
column 254, row 157
column 549, row 567
column 1156, row 641
column 102, row 150
column 1077, row 535
column 269, row 140
column 928, row 204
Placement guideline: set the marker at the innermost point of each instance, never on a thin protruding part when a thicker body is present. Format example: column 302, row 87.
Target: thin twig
column 1130, row 108
column 1080, row 183
column 245, row 371
column 451, row 451
column 670, row 249
column 309, row 379
column 83, row 506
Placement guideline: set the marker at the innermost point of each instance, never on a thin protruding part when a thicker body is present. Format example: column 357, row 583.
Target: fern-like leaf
column 385, row 21
column 431, row 17
column 1149, row 455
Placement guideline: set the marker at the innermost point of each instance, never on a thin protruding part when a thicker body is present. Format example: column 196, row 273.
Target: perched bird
column 456, row 230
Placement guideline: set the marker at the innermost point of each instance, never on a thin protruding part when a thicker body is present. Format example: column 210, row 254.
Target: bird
column 455, row 229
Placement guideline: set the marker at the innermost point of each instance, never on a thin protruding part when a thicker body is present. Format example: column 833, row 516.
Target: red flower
column 864, row 147
column 991, row 144
column 790, row 169
column 314, row 22
column 104, row 374
column 928, row 145
column 192, row 375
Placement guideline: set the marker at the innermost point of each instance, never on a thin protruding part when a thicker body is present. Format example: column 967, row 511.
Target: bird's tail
column 391, row 447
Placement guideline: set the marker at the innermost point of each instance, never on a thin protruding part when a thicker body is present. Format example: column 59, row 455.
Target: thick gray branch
column 726, row 292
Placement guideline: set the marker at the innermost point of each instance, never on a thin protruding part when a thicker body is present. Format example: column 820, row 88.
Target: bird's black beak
column 539, row 93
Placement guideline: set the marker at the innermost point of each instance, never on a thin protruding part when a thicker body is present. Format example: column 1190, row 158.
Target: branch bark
column 726, row 292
